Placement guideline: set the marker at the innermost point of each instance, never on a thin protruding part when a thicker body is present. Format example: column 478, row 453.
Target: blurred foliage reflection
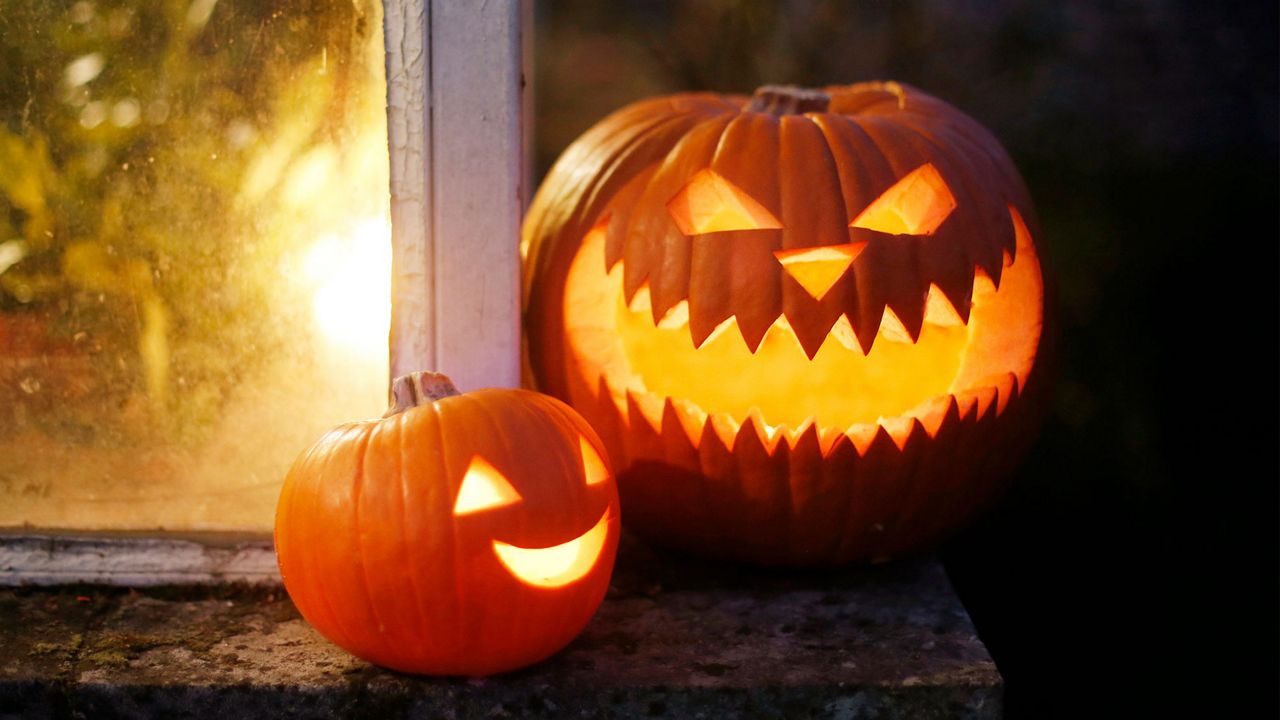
column 170, row 170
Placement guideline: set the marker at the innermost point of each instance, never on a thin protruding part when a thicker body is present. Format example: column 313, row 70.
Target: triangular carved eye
column 915, row 205
column 709, row 203
column 483, row 487
column 592, row 464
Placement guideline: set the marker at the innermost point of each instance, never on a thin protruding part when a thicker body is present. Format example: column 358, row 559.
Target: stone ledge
column 675, row 638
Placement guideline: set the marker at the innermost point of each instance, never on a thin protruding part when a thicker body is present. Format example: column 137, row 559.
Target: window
column 195, row 253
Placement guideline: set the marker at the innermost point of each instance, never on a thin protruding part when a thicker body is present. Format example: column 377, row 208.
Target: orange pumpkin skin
column 930, row 233
column 376, row 559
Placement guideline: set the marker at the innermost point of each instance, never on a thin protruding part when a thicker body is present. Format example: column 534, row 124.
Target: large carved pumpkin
column 807, row 325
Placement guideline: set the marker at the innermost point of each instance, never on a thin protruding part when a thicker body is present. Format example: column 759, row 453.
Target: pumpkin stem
column 418, row 388
column 788, row 100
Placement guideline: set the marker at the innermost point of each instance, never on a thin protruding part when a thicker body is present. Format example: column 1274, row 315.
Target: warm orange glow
column 915, row 205
column 1007, row 319
column 676, row 316
column 710, row 203
column 723, row 382
column 483, row 487
column 767, row 397
column 892, row 329
column 558, row 565
column 840, row 386
column 818, row 268
column 938, row 310
column 351, row 276
column 592, row 464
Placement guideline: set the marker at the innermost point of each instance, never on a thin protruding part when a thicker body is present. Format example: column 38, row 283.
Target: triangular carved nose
column 818, row 268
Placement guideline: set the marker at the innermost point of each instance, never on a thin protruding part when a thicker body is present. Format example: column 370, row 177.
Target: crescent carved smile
column 558, row 565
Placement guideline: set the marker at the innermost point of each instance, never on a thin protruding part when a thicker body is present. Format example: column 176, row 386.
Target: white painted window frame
column 459, row 97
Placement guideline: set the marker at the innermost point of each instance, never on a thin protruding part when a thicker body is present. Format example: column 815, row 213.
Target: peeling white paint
column 456, row 107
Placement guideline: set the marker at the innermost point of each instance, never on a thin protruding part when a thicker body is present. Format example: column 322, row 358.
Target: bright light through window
column 194, row 254
column 351, row 304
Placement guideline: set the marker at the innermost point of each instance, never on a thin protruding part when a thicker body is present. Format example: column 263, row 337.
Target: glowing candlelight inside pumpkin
column 807, row 325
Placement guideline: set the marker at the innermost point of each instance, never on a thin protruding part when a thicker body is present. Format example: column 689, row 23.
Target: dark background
column 1132, row 568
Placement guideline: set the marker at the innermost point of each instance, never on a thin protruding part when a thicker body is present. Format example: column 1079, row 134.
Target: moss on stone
column 65, row 649
column 197, row 640
column 107, row 659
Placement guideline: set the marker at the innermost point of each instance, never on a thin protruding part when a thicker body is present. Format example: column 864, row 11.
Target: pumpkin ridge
column 812, row 195
column 971, row 152
column 852, row 294
column 455, row 631
column 567, row 416
column 332, row 622
column 665, row 259
column 561, row 225
column 913, row 445
column 554, row 217
column 358, row 483
column 618, row 213
column 590, row 197
column 412, row 573
column 982, row 144
column 901, row 288
column 750, row 253
column 953, row 274
column 867, row 310
column 362, row 429
column 1003, row 242
column 710, row 304
column 621, row 155
column 572, row 469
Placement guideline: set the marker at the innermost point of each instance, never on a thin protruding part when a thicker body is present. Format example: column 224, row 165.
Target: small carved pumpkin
column 807, row 325
column 458, row 535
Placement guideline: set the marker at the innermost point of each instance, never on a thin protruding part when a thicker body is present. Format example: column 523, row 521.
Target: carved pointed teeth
column 667, row 415
column 893, row 329
column 689, row 417
column 770, row 435
column 843, row 332
column 676, row 316
column 937, row 309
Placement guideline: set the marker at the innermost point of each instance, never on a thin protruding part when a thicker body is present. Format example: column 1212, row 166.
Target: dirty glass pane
column 194, row 253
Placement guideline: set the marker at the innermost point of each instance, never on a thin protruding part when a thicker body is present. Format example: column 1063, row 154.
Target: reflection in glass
column 194, row 253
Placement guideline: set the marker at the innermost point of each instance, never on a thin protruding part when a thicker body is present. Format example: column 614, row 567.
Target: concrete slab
column 676, row 638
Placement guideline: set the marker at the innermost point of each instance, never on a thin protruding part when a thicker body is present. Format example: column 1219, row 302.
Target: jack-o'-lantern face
column 462, row 534
column 779, row 314
column 486, row 490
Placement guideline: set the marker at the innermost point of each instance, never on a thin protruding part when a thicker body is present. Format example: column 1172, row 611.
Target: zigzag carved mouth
column 936, row 310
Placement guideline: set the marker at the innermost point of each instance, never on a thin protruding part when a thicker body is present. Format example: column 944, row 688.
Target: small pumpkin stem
column 418, row 388
column 788, row 100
